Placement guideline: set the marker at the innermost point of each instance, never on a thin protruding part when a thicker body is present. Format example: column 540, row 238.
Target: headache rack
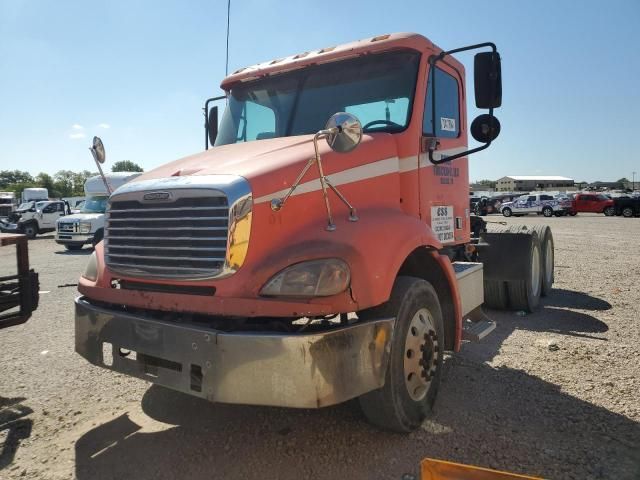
column 18, row 293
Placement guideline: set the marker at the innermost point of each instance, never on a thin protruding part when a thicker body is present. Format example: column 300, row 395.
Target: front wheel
column 547, row 212
column 415, row 364
column 627, row 212
column 30, row 230
column 506, row 212
column 609, row 212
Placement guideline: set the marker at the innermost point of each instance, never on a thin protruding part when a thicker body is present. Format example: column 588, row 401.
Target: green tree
column 46, row 181
column 10, row 177
column 79, row 180
column 624, row 180
column 64, row 185
column 126, row 166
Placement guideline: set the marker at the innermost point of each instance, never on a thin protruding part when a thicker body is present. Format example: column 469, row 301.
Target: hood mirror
column 97, row 150
column 485, row 128
column 344, row 132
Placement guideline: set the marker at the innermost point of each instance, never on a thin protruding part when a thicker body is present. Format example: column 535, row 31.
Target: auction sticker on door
column 442, row 222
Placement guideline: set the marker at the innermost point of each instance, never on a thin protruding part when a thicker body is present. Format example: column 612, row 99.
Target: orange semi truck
column 322, row 249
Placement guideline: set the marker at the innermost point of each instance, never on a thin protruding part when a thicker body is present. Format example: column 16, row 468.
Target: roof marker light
column 380, row 37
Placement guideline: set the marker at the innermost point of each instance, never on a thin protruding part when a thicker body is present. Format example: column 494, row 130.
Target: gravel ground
column 555, row 393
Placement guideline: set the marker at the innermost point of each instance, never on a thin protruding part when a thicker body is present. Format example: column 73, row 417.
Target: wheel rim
column 627, row 212
column 548, row 261
column 420, row 354
column 506, row 212
column 547, row 212
column 535, row 271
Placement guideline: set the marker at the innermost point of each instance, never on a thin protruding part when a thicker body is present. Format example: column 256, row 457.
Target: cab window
column 447, row 106
column 49, row 208
column 531, row 198
column 546, row 197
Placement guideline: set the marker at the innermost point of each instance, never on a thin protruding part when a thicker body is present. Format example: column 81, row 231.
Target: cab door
column 50, row 213
column 586, row 203
column 445, row 187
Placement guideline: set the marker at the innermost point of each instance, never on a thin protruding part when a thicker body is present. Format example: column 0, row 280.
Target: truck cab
column 87, row 226
column 321, row 250
column 8, row 203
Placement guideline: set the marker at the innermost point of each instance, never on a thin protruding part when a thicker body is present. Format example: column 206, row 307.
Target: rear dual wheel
column 415, row 363
column 525, row 294
column 538, row 278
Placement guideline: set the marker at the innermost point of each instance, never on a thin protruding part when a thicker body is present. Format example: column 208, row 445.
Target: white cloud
column 75, row 126
column 104, row 125
column 76, row 136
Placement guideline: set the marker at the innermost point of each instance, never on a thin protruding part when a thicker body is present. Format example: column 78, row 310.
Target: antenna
column 226, row 68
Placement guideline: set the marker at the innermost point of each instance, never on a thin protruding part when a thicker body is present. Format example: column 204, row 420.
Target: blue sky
column 137, row 72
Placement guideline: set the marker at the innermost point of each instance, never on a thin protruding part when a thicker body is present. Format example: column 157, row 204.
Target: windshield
column 378, row 89
column 94, row 205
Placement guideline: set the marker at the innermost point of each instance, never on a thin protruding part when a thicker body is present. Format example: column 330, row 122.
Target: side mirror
column 344, row 132
column 485, row 128
column 212, row 125
column 487, row 76
column 97, row 149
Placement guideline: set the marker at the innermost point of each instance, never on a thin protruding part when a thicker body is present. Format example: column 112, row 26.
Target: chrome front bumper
column 288, row 370
column 73, row 238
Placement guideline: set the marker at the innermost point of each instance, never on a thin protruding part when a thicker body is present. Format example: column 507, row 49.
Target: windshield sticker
column 448, row 124
column 442, row 223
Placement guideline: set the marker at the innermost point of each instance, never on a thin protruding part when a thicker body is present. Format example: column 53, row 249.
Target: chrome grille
column 185, row 237
column 66, row 227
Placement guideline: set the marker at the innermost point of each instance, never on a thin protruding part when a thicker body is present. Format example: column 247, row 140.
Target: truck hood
column 80, row 217
column 258, row 161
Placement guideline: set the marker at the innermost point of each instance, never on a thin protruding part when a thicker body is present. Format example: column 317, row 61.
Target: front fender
column 375, row 247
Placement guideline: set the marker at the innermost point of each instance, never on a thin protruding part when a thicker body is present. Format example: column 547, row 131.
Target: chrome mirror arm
column 278, row 203
column 331, row 134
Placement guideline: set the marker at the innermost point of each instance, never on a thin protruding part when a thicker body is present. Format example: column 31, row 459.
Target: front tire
column 30, row 230
column 547, row 212
column 415, row 364
column 609, row 212
column 506, row 211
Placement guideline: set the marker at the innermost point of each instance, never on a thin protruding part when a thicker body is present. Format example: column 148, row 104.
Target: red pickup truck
column 592, row 203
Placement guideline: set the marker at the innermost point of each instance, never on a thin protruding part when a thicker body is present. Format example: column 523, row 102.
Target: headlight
column 316, row 278
column 91, row 272
column 85, row 227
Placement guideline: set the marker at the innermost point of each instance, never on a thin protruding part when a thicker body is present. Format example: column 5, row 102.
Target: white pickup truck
column 32, row 218
column 87, row 226
column 539, row 203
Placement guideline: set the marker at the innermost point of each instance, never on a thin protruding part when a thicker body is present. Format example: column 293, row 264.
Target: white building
column 528, row 183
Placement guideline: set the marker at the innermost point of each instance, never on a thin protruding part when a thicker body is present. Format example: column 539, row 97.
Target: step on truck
column 322, row 249
column 87, row 226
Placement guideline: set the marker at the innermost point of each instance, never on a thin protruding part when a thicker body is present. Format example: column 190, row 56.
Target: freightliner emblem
column 157, row 196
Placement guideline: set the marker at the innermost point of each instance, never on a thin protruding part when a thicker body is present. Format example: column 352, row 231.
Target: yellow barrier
column 431, row 469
